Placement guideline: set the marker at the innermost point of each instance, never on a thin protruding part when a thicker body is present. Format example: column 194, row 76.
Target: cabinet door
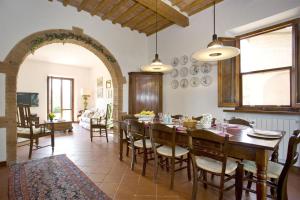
column 145, row 93
column 228, row 78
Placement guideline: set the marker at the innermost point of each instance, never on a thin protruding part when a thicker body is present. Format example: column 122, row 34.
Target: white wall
column 176, row 41
column 2, row 96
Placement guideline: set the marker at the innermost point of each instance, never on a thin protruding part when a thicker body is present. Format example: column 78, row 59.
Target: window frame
column 293, row 69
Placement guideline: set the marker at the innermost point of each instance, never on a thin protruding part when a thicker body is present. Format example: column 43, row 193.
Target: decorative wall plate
column 193, row 60
column 184, row 59
column 184, row 72
column 205, row 68
column 194, row 69
column 195, row 81
column 175, row 61
column 174, row 84
column 184, row 83
column 206, row 80
column 174, row 73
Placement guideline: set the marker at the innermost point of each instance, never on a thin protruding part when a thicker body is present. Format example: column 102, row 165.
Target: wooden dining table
column 241, row 146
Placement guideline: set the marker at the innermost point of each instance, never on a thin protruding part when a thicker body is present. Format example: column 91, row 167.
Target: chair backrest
column 127, row 117
column 23, row 116
column 136, row 130
column 177, row 116
column 239, row 121
column 291, row 159
column 162, row 134
column 208, row 144
column 197, row 118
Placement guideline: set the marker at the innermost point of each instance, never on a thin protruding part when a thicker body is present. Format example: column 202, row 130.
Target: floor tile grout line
column 119, row 184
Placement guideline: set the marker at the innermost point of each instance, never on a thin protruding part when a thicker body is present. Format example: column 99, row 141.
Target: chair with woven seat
column 139, row 140
column 124, row 134
column 99, row 124
column 275, row 171
column 209, row 155
column 166, row 137
column 26, row 128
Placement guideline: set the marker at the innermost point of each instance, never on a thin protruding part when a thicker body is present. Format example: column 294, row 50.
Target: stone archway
column 34, row 41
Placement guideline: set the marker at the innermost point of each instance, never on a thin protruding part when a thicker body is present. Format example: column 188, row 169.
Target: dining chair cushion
column 139, row 143
column 215, row 166
column 167, row 151
column 274, row 169
column 35, row 130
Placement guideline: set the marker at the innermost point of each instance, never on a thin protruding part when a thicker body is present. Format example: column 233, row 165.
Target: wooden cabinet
column 145, row 91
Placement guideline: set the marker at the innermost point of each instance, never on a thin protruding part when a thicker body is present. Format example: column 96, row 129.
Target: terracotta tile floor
column 100, row 161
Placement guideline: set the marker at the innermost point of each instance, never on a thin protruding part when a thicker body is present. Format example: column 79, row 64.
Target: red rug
column 54, row 177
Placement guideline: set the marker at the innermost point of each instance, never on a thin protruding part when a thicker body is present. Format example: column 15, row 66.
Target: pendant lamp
column 156, row 65
column 215, row 50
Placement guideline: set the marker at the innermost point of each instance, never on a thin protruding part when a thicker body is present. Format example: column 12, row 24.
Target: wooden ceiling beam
column 100, row 6
column 192, row 5
column 196, row 10
column 82, row 5
column 115, row 8
column 153, row 26
column 125, row 14
column 147, row 22
column 166, row 11
column 66, row 2
column 137, row 18
column 159, row 28
column 176, row 2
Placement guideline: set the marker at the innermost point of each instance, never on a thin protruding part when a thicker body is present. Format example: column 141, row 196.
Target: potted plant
column 51, row 116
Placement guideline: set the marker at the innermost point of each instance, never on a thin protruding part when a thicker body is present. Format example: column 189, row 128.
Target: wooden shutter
column 229, row 78
column 295, row 83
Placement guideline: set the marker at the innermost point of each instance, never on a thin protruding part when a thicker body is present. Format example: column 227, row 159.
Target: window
column 266, row 62
column 266, row 75
column 60, row 97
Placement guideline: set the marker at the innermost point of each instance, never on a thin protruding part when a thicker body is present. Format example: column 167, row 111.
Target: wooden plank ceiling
column 140, row 15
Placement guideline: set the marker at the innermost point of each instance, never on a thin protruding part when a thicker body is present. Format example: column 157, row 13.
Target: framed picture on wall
column 108, row 84
column 100, row 87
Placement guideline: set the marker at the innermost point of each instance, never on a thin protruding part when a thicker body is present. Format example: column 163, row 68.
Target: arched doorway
column 34, row 41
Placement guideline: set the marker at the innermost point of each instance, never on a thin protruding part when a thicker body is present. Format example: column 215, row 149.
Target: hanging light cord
column 156, row 27
column 214, row 17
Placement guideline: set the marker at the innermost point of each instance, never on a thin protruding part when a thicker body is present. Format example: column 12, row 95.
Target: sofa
column 85, row 118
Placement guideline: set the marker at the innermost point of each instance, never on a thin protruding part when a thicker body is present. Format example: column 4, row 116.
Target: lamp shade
column 216, row 53
column 156, row 66
column 85, row 92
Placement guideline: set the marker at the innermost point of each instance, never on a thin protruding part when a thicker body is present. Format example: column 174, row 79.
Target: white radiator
column 277, row 122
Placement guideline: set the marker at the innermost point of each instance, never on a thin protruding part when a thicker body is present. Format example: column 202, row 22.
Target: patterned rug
column 54, row 177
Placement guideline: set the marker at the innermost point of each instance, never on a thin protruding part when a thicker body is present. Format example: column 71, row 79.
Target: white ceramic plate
column 263, row 136
column 267, row 133
column 206, row 80
column 184, row 83
column 175, row 61
column 184, row 59
column 174, row 73
column 195, row 81
column 205, row 68
column 184, row 72
column 193, row 60
column 174, row 84
column 194, row 69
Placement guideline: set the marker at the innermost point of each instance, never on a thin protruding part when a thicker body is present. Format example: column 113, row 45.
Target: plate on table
column 267, row 133
column 253, row 134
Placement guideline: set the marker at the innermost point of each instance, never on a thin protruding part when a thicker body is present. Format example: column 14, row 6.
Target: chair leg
column 106, row 135
column 30, row 148
column 91, row 134
column 144, row 162
column 189, row 166
column 181, row 161
column 249, row 184
column 127, row 148
column 167, row 164
column 172, row 172
column 37, row 141
column 204, row 174
column 221, row 187
column 133, row 158
column 273, row 190
column 155, row 166
column 195, row 182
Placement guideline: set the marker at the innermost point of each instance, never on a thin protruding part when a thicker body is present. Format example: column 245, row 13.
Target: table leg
column 261, row 164
column 239, row 175
column 52, row 138
column 121, row 143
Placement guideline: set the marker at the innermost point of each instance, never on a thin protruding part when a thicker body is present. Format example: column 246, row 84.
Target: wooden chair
column 209, row 155
column 123, row 126
column 240, row 122
column 275, row 171
column 139, row 140
column 177, row 116
column 165, row 136
column 27, row 129
column 98, row 125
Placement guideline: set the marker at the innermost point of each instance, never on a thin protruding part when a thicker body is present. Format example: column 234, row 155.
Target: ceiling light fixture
column 156, row 65
column 215, row 50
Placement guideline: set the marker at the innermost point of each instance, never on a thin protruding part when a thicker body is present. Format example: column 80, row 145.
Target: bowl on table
column 144, row 117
